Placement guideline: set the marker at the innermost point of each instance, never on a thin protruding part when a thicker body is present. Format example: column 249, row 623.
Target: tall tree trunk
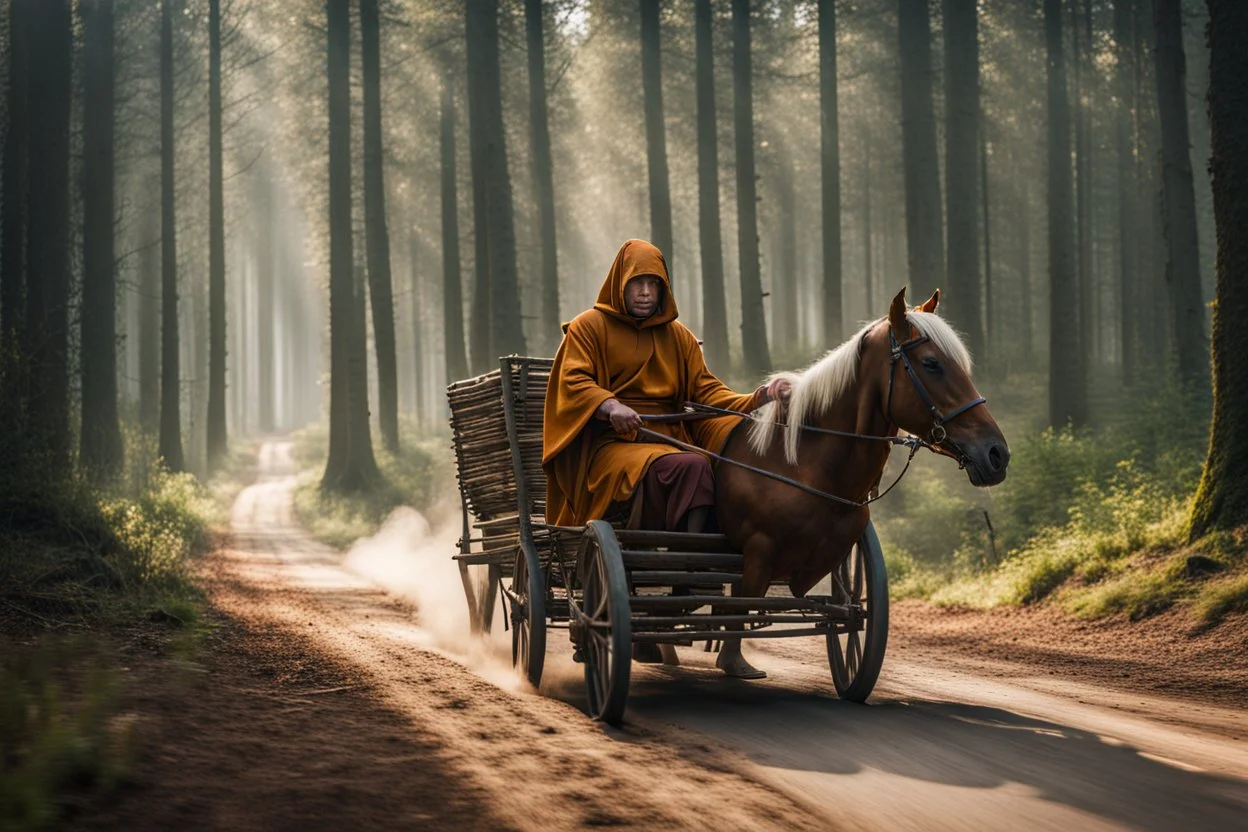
column 376, row 234
column 656, row 142
column 990, row 311
column 962, row 149
column 217, row 436
column 492, row 182
column 830, row 177
column 1124, row 88
column 452, row 289
column 868, row 266
column 753, row 322
column 710, row 241
column 1067, row 395
column 1028, row 334
column 351, row 465
column 420, row 379
column 481, row 347
column 1083, row 193
column 47, row 240
column 925, row 239
column 13, row 195
column 543, row 175
column 784, row 265
column 170, row 383
column 1179, row 197
column 100, row 452
column 264, row 253
column 1154, row 322
column 149, row 321
column 1222, row 498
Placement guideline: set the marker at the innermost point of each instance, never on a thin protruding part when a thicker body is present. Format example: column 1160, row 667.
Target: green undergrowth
column 63, row 736
column 1094, row 521
column 417, row 476
column 83, row 566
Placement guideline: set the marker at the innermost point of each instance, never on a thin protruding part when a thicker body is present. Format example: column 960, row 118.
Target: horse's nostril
column 995, row 460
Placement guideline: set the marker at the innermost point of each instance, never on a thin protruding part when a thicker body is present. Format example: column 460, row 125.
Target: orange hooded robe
column 652, row 365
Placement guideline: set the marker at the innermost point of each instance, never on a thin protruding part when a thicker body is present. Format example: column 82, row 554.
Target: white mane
column 816, row 388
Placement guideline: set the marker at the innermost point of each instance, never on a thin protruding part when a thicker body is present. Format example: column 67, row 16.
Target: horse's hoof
column 647, row 653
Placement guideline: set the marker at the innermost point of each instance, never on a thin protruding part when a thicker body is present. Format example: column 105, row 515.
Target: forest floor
column 320, row 699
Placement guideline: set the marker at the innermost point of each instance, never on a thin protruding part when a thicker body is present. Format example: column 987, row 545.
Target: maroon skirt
column 674, row 485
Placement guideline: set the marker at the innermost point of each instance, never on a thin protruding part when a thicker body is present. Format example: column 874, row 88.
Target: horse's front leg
column 755, row 578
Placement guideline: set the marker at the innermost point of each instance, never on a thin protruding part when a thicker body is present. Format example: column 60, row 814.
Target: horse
column 907, row 371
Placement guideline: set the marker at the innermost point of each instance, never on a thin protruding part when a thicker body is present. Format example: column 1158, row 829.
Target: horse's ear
column 930, row 304
column 897, row 316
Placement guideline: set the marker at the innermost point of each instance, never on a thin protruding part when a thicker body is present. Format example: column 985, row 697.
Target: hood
column 636, row 257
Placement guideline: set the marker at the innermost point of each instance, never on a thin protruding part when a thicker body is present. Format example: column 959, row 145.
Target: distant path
column 947, row 743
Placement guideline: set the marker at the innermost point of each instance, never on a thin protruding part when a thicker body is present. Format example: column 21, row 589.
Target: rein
column 934, row 442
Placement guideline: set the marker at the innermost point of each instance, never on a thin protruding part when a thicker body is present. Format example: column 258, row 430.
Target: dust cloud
column 411, row 558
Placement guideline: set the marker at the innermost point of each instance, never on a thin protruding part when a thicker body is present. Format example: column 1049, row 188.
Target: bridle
column 897, row 353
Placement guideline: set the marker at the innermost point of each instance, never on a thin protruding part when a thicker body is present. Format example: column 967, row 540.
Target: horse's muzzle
column 986, row 463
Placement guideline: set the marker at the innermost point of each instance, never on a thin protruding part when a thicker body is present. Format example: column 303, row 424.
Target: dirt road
column 947, row 743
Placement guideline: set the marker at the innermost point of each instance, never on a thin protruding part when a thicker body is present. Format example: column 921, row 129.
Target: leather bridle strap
column 898, row 353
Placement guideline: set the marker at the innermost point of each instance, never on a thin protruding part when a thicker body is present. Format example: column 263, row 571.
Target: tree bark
column 543, row 175
column 217, row 436
column 1083, row 195
column 100, row 452
column 452, row 289
column 784, row 284
column 492, row 182
column 830, row 177
column 1067, row 395
column 351, row 465
column 1124, row 138
column 656, row 141
column 376, row 234
column 753, row 323
column 710, row 241
column 13, row 195
column 1222, row 497
column 924, row 221
column 47, row 231
column 962, row 149
column 990, row 311
column 1179, row 198
column 149, row 321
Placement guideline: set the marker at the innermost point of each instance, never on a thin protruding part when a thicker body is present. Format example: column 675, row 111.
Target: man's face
column 642, row 295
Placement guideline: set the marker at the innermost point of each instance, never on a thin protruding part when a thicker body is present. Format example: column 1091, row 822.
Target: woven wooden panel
column 483, row 449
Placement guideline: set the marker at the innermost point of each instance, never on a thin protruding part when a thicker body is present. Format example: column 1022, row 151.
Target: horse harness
column 934, row 442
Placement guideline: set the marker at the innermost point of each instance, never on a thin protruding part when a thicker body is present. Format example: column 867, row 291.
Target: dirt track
column 947, row 743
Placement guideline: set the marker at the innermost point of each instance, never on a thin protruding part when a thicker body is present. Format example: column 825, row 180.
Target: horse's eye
column 932, row 366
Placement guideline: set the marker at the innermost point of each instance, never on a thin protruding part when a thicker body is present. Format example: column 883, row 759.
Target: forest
column 225, row 221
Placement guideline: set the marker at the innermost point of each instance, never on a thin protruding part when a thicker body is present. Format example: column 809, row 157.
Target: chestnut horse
column 909, row 371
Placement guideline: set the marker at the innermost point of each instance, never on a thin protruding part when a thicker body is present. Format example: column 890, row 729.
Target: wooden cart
column 611, row 587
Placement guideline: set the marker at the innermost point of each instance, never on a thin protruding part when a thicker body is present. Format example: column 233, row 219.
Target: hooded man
column 627, row 356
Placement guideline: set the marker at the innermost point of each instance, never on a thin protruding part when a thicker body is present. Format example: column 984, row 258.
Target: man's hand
column 779, row 390
column 624, row 420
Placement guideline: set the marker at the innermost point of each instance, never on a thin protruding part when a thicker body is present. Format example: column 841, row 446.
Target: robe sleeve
column 705, row 388
column 573, row 393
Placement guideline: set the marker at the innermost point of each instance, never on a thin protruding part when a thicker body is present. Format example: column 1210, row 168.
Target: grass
column 1093, row 521
column 417, row 476
column 81, row 565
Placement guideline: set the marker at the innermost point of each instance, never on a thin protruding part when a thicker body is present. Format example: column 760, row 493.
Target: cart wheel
column 856, row 651
column 528, row 616
column 608, row 632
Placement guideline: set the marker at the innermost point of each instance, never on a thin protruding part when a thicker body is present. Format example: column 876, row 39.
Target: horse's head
column 929, row 391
